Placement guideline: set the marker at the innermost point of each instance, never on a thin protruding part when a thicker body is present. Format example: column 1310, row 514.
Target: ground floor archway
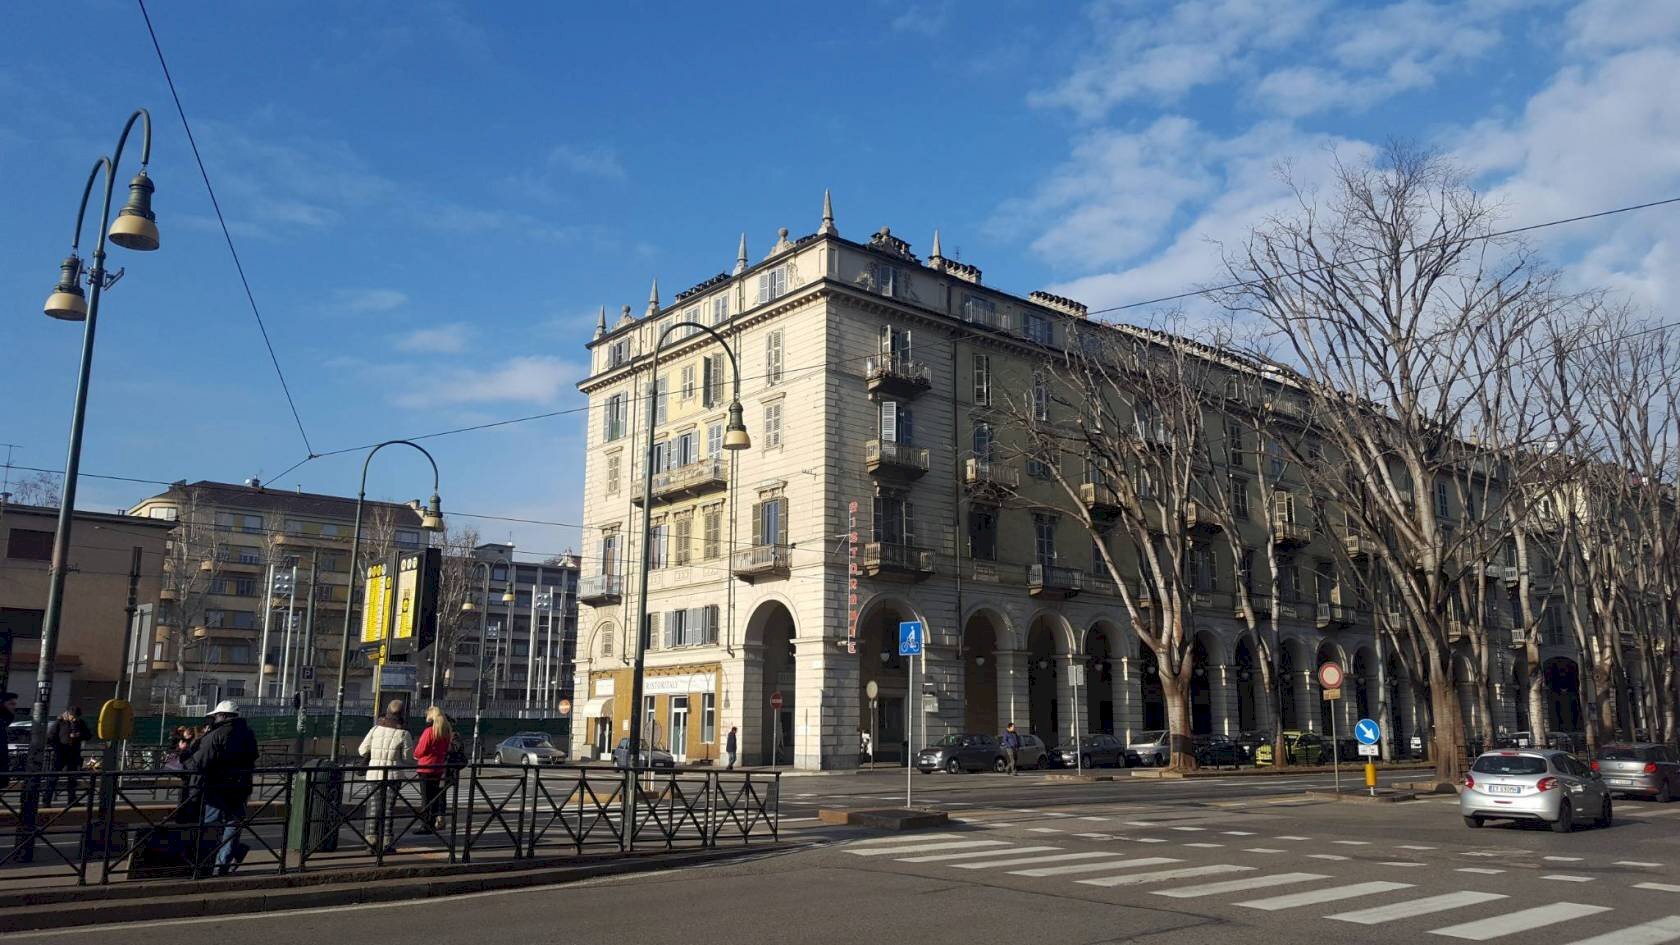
column 770, row 630
column 980, row 674
column 1563, row 695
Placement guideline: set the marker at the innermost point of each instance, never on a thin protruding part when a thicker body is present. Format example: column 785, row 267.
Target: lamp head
column 135, row 226
column 432, row 519
column 468, row 607
column 67, row 301
column 507, row 596
column 735, row 434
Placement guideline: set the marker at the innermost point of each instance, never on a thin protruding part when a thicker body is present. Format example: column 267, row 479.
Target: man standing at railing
column 223, row 760
column 729, row 746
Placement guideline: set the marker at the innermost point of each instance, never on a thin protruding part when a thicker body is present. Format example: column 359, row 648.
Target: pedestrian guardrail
column 94, row 827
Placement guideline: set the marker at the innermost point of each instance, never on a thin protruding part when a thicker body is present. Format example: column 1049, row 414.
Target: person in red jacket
column 431, row 756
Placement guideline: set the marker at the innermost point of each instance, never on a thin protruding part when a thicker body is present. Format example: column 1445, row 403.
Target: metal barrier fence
column 92, row 827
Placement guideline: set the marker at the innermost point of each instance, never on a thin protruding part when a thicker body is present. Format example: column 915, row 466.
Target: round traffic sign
column 1330, row 675
column 776, row 699
column 872, row 690
column 1367, row 731
column 565, row 707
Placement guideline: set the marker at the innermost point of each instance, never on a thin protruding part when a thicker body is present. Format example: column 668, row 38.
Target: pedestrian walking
column 8, row 715
column 65, row 737
column 386, row 746
column 729, row 747
column 1011, row 747
column 866, row 746
column 223, row 760
column 431, row 756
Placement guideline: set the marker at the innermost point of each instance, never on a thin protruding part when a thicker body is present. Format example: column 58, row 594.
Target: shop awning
column 597, row 707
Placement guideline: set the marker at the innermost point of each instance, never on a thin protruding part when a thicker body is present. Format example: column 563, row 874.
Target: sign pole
column 909, row 747
column 1335, row 756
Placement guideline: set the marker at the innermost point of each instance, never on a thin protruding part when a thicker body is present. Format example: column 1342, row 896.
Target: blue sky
column 433, row 199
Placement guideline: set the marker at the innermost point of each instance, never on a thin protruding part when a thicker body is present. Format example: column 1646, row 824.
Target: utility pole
column 262, row 645
column 286, row 667
column 306, row 659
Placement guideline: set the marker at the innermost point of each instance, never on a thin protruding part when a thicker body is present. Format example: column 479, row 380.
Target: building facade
column 521, row 671
column 876, row 387
column 95, row 625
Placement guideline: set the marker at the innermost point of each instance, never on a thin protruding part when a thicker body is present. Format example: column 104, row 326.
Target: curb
column 885, row 818
column 1352, row 797
column 1265, row 772
column 341, row 889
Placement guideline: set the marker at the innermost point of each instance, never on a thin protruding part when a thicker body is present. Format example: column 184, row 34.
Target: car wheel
column 1606, row 816
column 1566, row 819
column 1664, row 795
column 1000, row 765
column 953, row 766
column 530, row 759
column 1474, row 823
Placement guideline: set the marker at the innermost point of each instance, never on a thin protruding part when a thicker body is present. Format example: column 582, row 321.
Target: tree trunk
column 1175, row 691
column 1447, row 736
column 1484, row 696
column 1538, row 724
column 1671, row 715
column 1274, row 710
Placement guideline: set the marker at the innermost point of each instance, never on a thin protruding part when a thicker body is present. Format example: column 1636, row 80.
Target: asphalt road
column 1026, row 860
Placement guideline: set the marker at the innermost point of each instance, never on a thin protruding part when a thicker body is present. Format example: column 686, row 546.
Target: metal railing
column 93, row 827
column 888, row 453
column 984, row 473
column 899, row 368
column 1049, row 576
column 886, row 555
column 763, row 559
column 707, row 473
column 600, row 586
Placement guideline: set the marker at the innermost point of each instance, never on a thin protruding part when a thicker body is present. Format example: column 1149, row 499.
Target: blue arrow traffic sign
column 910, row 638
column 1367, row 731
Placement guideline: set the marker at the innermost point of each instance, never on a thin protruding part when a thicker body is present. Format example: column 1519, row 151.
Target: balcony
column 1289, row 533
column 762, row 561
column 599, row 590
column 1358, row 546
column 1053, row 583
column 1198, row 519
column 896, row 376
column 1092, row 583
column 897, row 461
column 987, row 479
column 891, row 561
column 1262, row 604
column 1334, row 616
column 1101, row 499
column 1293, row 610
column 686, row 481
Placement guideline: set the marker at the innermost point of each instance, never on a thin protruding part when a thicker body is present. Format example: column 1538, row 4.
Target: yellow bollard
column 1371, row 776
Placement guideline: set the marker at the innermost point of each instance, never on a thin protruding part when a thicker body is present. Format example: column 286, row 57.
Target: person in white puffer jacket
column 387, row 745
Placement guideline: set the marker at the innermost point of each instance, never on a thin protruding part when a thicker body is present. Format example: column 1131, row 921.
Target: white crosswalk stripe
column 1115, row 864
column 883, row 841
column 1377, row 915
column 1657, row 887
column 1523, row 920
column 928, row 847
column 1159, row 876
column 1654, row 812
column 1238, row 885
column 1333, row 894
column 971, row 854
column 1666, row 929
column 1025, row 860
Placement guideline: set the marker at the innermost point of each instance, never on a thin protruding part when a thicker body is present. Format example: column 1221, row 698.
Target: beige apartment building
column 225, row 607
column 874, row 383
column 103, row 553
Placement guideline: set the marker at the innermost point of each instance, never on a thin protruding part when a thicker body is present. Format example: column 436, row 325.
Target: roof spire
column 936, row 259
column 653, row 299
column 827, row 228
column 741, row 257
column 601, row 322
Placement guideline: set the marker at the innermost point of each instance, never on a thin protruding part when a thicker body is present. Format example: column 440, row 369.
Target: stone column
column 1012, row 673
column 1128, row 697
column 826, row 713
column 1076, row 718
column 1222, row 699
column 1307, row 701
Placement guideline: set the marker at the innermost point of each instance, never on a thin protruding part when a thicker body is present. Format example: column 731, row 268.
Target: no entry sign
column 1330, row 675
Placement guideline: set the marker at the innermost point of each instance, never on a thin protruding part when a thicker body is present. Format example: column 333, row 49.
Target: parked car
column 1094, row 751
column 1218, row 751
column 1541, row 784
column 1033, row 753
column 529, row 748
column 647, row 757
column 955, row 754
column 1641, row 768
column 1152, row 748
column 1251, row 741
column 1303, row 748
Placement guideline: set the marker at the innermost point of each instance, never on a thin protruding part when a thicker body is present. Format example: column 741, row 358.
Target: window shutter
column 672, row 626
column 764, row 288
column 909, row 523
column 886, row 339
column 781, row 520
column 712, row 623
column 905, row 434
column 903, row 350
column 889, row 421
column 758, row 524
column 706, row 383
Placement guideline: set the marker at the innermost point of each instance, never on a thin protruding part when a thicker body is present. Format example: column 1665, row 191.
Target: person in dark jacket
column 65, row 737
column 223, row 760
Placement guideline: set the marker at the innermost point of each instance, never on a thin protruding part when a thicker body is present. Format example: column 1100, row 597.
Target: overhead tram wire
column 238, row 266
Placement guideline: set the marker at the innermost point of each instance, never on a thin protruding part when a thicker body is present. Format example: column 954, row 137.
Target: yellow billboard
column 376, row 606
column 408, row 586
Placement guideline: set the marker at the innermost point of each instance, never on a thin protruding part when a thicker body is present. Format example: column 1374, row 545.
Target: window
column 1040, row 397
column 1245, row 569
column 885, row 279
column 895, row 423
column 772, row 284
column 983, row 380
column 688, row 383
column 609, row 552
column 661, row 456
column 1099, row 567
column 892, row 518
column 615, row 467
column 1044, row 539
column 661, row 396
column 685, row 449
column 769, row 521
column 657, row 545
column 773, row 426
column 1289, row 578
column 407, row 538
column 773, row 358
column 247, row 554
column 617, row 414
column 982, row 534
column 1235, row 442
column 1239, row 497
column 1036, row 327
column 714, row 440
column 1038, row 467
column 683, row 538
column 708, row 717
column 983, row 441
column 895, row 343
column 242, row 586
column 1274, row 460
column 692, row 315
column 1442, row 510
column 720, row 308
column 712, row 530
column 980, row 311
column 166, row 512
column 711, row 381
column 618, row 353
column 29, row 545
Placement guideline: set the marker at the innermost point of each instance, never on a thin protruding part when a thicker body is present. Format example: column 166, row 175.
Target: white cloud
column 532, row 379
column 443, row 339
column 593, row 161
column 1608, row 25
column 369, row 301
column 928, row 19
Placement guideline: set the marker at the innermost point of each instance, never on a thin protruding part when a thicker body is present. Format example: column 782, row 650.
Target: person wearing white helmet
column 223, row 759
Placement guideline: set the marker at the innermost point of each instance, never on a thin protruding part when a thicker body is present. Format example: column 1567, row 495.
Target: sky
column 432, row 199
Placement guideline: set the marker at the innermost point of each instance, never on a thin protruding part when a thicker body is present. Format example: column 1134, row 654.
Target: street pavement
column 1027, row 859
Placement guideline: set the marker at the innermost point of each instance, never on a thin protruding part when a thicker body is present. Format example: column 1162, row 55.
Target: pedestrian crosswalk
column 1263, row 886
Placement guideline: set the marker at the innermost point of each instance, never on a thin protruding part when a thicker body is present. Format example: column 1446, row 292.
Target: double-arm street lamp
column 431, row 520
column 467, row 606
column 135, row 228
column 734, row 438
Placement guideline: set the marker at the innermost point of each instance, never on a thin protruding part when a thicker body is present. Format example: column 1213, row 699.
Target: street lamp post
column 431, row 520
column 734, row 438
column 135, row 228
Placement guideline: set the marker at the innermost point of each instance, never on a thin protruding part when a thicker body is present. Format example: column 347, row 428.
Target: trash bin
column 317, row 805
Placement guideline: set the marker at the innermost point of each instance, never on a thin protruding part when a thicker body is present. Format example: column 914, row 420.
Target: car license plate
column 1504, row 789
column 1619, row 781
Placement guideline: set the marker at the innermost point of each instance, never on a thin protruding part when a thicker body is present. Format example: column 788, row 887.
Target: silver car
column 529, row 748
column 1153, row 749
column 1646, row 769
column 1538, row 784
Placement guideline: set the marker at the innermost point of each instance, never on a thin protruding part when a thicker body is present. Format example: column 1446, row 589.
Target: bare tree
column 38, row 489
column 455, row 588
column 192, row 569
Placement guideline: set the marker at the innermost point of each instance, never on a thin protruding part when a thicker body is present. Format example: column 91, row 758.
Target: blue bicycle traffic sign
column 910, row 638
column 1367, row 731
